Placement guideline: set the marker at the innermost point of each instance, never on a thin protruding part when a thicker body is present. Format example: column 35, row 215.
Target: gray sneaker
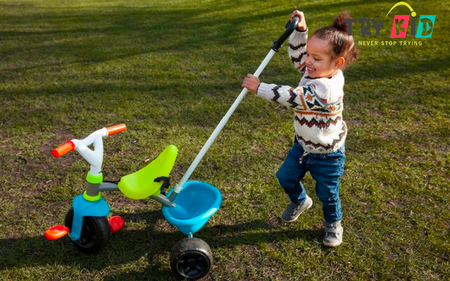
column 293, row 211
column 333, row 234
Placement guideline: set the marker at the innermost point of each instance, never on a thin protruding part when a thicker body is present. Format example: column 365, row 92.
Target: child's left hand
column 251, row 82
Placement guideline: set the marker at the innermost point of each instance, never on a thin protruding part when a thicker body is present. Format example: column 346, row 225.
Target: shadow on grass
column 66, row 37
column 61, row 41
column 131, row 245
column 114, row 33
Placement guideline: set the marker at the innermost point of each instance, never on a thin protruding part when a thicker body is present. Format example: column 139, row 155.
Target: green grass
column 170, row 70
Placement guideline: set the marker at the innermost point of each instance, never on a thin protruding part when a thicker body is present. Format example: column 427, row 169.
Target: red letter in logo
column 400, row 23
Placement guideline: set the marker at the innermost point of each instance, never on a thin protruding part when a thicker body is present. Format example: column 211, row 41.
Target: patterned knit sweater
column 317, row 103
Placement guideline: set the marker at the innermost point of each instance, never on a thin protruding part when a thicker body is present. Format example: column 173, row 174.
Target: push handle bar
column 290, row 27
column 70, row 145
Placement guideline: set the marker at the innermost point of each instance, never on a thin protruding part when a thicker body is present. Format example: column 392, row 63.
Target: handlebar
column 70, row 145
column 63, row 149
column 116, row 129
column 290, row 27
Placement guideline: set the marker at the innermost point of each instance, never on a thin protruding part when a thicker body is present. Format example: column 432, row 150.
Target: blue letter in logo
column 425, row 28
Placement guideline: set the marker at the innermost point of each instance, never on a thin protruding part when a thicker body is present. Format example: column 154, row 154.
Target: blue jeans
column 326, row 169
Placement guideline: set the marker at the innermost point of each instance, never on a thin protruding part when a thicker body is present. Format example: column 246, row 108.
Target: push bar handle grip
column 63, row 149
column 290, row 27
column 116, row 129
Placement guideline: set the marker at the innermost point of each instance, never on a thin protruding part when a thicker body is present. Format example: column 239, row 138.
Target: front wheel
column 191, row 258
column 95, row 233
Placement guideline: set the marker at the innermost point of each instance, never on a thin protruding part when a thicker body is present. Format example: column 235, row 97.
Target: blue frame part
column 83, row 208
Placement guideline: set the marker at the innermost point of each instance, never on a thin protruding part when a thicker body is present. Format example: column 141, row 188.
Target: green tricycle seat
column 141, row 184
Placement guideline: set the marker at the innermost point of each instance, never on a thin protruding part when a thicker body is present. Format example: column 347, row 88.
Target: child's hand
column 251, row 83
column 302, row 22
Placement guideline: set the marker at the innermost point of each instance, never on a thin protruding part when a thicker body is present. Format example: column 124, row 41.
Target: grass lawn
column 170, row 70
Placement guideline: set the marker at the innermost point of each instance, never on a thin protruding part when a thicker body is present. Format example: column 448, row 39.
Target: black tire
column 95, row 233
column 191, row 258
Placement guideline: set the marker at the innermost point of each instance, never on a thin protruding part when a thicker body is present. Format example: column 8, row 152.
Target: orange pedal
column 56, row 232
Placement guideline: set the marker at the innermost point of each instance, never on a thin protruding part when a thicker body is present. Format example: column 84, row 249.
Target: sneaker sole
column 293, row 220
column 332, row 245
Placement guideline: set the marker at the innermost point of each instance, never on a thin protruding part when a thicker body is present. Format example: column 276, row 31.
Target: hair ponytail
column 339, row 23
column 342, row 44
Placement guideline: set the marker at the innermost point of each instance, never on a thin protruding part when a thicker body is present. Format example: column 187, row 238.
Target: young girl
column 320, row 131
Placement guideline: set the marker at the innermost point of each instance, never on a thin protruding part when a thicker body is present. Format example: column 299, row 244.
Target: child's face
column 319, row 62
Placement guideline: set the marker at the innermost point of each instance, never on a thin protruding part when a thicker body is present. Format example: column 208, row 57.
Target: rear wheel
column 191, row 258
column 95, row 233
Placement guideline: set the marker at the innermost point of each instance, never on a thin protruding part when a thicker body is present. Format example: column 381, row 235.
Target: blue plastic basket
column 196, row 203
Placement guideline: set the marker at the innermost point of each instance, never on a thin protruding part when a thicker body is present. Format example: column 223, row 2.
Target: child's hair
column 342, row 44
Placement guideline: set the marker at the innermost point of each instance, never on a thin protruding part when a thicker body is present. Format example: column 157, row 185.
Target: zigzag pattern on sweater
column 276, row 95
column 298, row 59
column 301, row 45
column 321, row 123
column 318, row 145
column 293, row 97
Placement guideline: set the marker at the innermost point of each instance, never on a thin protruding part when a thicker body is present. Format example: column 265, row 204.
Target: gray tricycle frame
column 95, row 189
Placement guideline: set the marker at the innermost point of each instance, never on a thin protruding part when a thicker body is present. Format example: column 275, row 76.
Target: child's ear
column 339, row 63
